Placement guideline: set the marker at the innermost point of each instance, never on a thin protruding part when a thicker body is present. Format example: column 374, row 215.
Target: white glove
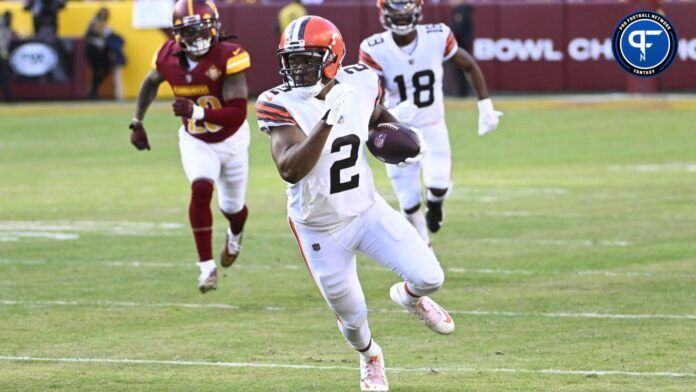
column 335, row 102
column 418, row 157
column 405, row 111
column 488, row 117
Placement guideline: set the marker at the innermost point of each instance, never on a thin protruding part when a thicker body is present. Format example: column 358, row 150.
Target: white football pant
column 380, row 233
column 226, row 163
column 436, row 167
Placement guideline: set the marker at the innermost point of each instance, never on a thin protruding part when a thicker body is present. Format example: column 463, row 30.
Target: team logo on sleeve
column 644, row 43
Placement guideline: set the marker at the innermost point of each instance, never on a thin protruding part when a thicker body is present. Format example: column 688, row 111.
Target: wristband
column 198, row 113
column 485, row 105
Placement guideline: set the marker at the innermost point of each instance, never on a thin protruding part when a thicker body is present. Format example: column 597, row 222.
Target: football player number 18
column 206, row 102
column 423, row 85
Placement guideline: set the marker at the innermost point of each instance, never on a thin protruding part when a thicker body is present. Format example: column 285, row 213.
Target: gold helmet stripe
column 190, row 7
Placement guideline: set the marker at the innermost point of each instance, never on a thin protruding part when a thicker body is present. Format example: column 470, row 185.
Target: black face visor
column 302, row 68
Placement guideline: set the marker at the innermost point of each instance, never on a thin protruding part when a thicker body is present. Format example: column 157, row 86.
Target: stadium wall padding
column 532, row 41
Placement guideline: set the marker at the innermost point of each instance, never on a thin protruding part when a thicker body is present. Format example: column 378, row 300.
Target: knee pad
column 334, row 287
column 429, row 281
column 227, row 206
column 354, row 320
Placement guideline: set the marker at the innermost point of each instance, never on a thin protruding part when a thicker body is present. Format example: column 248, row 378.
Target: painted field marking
column 550, row 242
column 656, row 167
column 294, row 267
column 476, row 312
column 492, row 194
column 456, row 270
column 591, row 315
column 12, row 231
column 124, row 361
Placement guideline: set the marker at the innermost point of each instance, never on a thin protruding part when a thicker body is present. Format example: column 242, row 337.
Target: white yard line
column 550, row 242
column 133, row 305
column 656, row 167
column 476, row 312
column 295, row 267
column 125, row 361
column 591, row 315
column 21, row 262
column 454, row 270
column 12, row 231
column 260, row 267
column 116, row 304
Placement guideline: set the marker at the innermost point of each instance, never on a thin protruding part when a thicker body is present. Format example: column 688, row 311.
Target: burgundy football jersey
column 202, row 84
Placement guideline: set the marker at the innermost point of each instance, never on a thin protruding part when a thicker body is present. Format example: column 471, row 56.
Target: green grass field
column 569, row 247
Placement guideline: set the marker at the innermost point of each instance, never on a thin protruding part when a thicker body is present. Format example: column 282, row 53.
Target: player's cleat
column 372, row 374
column 434, row 216
column 428, row 311
column 207, row 280
column 231, row 249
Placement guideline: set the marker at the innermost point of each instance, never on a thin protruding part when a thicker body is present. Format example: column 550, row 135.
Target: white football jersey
column 341, row 185
column 415, row 77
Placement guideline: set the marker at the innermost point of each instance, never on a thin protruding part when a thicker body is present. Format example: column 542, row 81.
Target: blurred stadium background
column 521, row 45
column 569, row 242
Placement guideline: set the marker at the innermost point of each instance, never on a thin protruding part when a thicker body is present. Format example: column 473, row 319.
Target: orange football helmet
column 196, row 25
column 311, row 47
column 400, row 16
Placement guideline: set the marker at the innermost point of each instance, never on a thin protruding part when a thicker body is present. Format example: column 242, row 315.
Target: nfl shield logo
column 379, row 140
column 189, row 78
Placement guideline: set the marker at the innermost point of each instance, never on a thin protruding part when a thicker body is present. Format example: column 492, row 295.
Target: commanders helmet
column 196, row 25
column 311, row 48
column 400, row 16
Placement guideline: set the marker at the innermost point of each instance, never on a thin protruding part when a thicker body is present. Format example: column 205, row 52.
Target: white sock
column 207, row 266
column 417, row 219
column 374, row 349
column 409, row 299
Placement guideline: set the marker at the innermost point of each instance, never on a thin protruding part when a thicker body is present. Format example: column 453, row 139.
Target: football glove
column 421, row 152
column 488, row 117
column 139, row 136
column 405, row 111
column 185, row 108
column 335, row 102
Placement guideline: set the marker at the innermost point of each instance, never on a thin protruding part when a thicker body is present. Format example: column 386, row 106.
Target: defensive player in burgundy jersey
column 408, row 57
column 206, row 74
column 318, row 122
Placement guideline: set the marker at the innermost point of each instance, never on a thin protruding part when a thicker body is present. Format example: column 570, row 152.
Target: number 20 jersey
column 202, row 84
column 415, row 77
column 341, row 185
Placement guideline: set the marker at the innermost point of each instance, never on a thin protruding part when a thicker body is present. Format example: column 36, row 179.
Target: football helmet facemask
column 196, row 25
column 311, row 50
column 400, row 16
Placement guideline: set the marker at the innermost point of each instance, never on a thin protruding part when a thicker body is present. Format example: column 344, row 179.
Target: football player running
column 318, row 121
column 207, row 77
column 408, row 57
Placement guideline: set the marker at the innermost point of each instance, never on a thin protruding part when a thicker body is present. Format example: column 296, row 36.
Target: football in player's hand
column 393, row 143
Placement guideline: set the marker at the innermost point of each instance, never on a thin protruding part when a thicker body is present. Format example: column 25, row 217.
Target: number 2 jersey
column 203, row 83
column 341, row 185
column 415, row 77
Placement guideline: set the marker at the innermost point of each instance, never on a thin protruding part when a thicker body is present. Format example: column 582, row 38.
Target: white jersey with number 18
column 341, row 185
column 415, row 77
